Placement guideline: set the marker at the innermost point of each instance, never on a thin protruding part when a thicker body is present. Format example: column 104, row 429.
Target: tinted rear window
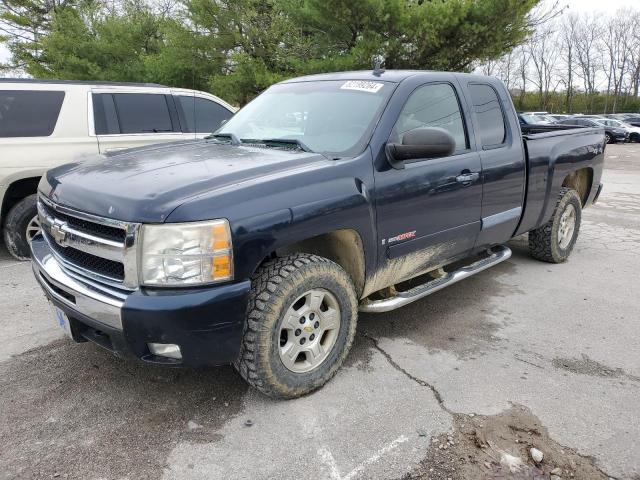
column 489, row 114
column 29, row 113
column 142, row 113
column 200, row 115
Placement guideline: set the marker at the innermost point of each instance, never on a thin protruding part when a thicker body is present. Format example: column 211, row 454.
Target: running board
column 498, row 254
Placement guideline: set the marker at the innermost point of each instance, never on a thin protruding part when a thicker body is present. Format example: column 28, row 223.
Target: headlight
column 186, row 253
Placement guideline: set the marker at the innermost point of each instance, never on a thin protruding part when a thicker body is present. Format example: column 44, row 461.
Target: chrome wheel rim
column 567, row 226
column 33, row 229
column 309, row 330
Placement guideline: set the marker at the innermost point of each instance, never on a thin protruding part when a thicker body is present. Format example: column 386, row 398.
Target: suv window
column 433, row 105
column 199, row 115
column 29, row 113
column 487, row 108
column 142, row 113
column 105, row 118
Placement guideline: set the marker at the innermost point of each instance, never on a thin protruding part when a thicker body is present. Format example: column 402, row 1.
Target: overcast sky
column 574, row 6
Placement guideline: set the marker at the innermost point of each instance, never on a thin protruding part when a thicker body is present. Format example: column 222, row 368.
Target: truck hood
column 146, row 184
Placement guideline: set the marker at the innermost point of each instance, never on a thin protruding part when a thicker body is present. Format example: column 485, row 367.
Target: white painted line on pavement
column 327, row 458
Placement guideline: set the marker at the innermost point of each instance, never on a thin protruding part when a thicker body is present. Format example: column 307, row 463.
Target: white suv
column 47, row 123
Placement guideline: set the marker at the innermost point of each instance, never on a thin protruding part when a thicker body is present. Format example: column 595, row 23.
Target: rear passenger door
column 200, row 115
column 503, row 162
column 125, row 119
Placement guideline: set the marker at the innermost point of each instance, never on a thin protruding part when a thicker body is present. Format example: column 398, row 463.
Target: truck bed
column 552, row 153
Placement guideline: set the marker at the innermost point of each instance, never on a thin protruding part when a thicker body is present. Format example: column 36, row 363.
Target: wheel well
column 580, row 181
column 343, row 247
column 17, row 191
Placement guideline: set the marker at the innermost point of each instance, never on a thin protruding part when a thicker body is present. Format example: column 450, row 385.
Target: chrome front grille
column 98, row 248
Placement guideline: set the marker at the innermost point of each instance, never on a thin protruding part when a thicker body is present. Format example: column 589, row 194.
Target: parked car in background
column 632, row 120
column 559, row 116
column 634, row 132
column 325, row 195
column 531, row 119
column 612, row 134
column 45, row 123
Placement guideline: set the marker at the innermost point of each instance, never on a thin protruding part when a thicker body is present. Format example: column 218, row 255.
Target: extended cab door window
column 29, row 113
column 491, row 124
column 199, row 115
column 433, row 105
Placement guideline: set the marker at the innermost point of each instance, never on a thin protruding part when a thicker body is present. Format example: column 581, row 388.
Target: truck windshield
column 329, row 117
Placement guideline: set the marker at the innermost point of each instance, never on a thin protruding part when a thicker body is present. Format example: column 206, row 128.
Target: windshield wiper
column 231, row 136
column 282, row 141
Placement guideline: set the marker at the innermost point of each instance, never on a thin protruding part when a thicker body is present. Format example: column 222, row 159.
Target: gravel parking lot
column 523, row 355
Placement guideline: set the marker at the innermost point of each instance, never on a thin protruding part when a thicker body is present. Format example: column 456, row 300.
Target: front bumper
column 206, row 323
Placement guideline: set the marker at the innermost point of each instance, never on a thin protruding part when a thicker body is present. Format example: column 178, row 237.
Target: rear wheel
column 634, row 137
column 554, row 241
column 300, row 324
column 607, row 138
column 21, row 226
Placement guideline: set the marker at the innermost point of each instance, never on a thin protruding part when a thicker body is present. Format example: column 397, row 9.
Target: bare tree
column 544, row 53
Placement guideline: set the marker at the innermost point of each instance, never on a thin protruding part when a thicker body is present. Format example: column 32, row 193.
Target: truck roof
column 394, row 76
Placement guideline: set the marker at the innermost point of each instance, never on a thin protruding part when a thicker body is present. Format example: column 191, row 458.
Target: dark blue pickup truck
column 325, row 196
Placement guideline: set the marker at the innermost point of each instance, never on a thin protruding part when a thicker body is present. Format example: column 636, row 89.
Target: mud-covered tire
column 16, row 225
column 544, row 242
column 275, row 288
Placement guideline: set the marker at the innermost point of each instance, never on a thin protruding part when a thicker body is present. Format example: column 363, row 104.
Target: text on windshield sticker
column 363, row 86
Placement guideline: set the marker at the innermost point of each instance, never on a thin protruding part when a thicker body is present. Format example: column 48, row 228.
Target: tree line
column 237, row 48
column 587, row 63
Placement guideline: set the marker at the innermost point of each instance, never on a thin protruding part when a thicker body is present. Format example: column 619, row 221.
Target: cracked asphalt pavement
column 559, row 342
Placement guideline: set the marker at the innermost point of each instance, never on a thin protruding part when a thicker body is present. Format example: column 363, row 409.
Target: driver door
column 429, row 212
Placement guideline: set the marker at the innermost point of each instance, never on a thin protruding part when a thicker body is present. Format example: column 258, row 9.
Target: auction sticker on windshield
column 363, row 86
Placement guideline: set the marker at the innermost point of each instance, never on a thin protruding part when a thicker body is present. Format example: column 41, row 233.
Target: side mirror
column 420, row 143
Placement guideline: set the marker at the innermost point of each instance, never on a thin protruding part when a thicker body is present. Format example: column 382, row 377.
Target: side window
column 29, row 113
column 105, row 118
column 142, row 113
column 433, row 105
column 487, row 108
column 199, row 115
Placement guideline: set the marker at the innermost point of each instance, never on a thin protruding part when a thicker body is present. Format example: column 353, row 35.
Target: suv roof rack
column 79, row 82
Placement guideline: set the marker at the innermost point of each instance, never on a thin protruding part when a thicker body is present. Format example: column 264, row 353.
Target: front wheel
column 554, row 241
column 21, row 226
column 300, row 325
column 634, row 138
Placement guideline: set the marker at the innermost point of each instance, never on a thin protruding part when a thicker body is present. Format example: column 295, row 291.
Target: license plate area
column 61, row 321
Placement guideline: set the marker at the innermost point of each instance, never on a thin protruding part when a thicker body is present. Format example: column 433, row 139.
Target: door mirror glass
column 421, row 143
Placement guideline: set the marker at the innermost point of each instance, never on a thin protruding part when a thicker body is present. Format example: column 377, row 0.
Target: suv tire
column 20, row 226
column 300, row 324
column 554, row 241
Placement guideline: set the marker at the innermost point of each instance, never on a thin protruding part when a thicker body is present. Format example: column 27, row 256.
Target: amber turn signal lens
column 221, row 267
column 220, row 237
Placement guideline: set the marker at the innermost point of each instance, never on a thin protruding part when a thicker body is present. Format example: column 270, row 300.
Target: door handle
column 467, row 178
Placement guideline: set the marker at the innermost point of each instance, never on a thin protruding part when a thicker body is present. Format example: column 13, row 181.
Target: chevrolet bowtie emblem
column 58, row 233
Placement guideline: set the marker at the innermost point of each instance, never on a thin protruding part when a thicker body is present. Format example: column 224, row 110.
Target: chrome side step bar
column 498, row 254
